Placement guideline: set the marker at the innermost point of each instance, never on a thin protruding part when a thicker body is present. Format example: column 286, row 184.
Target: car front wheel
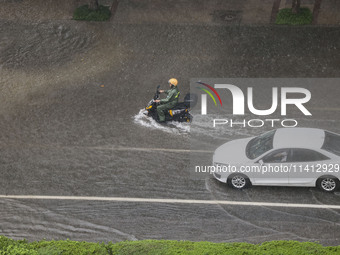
column 238, row 181
column 328, row 183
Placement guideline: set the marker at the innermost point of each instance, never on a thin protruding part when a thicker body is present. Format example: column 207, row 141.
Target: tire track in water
column 245, row 221
column 37, row 219
column 319, row 202
column 273, row 212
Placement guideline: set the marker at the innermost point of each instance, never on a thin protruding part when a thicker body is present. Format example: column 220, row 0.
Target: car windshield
column 332, row 143
column 260, row 144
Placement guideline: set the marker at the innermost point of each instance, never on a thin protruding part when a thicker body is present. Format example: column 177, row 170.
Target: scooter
column 180, row 113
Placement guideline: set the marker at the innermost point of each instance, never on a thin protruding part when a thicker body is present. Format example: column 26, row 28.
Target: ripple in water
column 42, row 45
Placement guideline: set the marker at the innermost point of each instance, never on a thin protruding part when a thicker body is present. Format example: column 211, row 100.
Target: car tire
column 328, row 183
column 238, row 181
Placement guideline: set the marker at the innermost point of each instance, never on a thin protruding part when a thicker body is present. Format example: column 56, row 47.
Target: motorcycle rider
column 170, row 101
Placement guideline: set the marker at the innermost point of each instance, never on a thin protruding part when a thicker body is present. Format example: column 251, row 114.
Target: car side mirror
column 261, row 162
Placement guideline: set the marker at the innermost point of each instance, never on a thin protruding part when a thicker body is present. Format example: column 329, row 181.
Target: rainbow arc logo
column 209, row 93
column 204, row 96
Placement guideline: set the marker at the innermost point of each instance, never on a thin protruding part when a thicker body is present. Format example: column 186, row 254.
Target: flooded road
column 73, row 126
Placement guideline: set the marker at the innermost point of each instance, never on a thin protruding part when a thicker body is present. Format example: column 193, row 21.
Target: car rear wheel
column 328, row 183
column 238, row 181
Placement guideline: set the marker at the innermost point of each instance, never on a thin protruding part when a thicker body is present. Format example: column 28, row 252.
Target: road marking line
column 170, row 201
column 111, row 148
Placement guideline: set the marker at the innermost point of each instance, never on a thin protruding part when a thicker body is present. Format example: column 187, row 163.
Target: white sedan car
column 284, row 157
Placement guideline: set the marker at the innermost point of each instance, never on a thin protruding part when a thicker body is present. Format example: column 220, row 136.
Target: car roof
column 309, row 138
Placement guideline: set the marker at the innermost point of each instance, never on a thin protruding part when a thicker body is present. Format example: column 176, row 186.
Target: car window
column 278, row 156
column 332, row 143
column 260, row 144
column 305, row 155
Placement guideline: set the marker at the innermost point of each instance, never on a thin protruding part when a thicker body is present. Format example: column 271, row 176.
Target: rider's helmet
column 173, row 81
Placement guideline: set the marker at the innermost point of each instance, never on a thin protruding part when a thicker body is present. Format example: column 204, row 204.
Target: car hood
column 233, row 152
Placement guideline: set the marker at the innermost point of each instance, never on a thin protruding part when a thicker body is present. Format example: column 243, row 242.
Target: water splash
column 173, row 127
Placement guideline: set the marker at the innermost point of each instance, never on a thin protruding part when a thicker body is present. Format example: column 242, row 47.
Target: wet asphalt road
column 63, row 141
